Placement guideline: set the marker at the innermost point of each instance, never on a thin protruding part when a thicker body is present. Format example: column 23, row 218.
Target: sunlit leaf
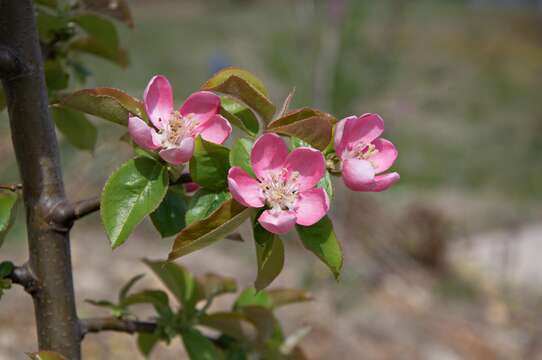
column 169, row 218
column 198, row 346
column 132, row 192
column 280, row 297
column 107, row 103
column 76, row 128
column 321, row 240
column 244, row 86
column 203, row 203
column 45, row 355
column 210, row 164
column 219, row 224
column 269, row 254
column 157, row 298
column 8, row 201
column 240, row 155
column 252, row 297
column 239, row 115
column 309, row 125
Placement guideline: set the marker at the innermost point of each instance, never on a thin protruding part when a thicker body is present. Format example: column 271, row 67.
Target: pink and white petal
column 339, row 133
column 191, row 187
column 158, row 100
column 141, row 133
column 385, row 157
column 279, row 222
column 383, row 182
column 308, row 165
column 181, row 154
column 203, row 104
column 244, row 188
column 311, row 206
column 268, row 155
column 216, row 130
column 364, row 129
column 357, row 174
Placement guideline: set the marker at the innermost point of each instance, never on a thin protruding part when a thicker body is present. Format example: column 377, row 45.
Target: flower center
column 178, row 128
column 362, row 151
column 280, row 190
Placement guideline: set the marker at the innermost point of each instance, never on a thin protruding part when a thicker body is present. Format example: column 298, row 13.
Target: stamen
column 280, row 190
column 177, row 129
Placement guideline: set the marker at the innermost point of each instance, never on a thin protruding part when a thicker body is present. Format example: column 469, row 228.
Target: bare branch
column 86, row 207
column 23, row 276
column 12, row 187
column 96, row 325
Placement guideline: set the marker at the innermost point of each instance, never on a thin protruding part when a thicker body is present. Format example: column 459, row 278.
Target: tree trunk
column 36, row 149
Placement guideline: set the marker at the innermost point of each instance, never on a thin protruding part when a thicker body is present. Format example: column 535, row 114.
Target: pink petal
column 339, row 133
column 158, row 99
column 308, row 164
column 357, row 174
column 380, row 183
column 385, row 157
column 141, row 133
column 311, row 206
column 268, row 153
column 203, row 104
column 244, row 188
column 191, row 187
column 215, row 130
column 279, row 222
column 181, row 154
column 364, row 129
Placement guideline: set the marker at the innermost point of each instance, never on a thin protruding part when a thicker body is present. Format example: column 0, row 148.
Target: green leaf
column 210, row 164
column 117, row 9
column 106, row 103
column 204, row 203
column 321, row 240
column 76, row 128
column 169, row 218
column 240, row 155
column 211, row 285
column 233, row 324
column 55, row 76
column 101, row 29
column 326, row 183
column 94, row 47
column 267, row 325
column 239, row 115
column 177, row 279
column 314, row 127
column 49, row 3
column 157, row 298
column 146, row 343
column 8, row 201
column 228, row 217
column 6, row 268
column 282, row 297
column 198, row 346
column 132, row 192
column 252, row 297
column 45, row 355
column 100, row 303
column 244, row 86
column 50, row 25
column 126, row 288
column 270, row 256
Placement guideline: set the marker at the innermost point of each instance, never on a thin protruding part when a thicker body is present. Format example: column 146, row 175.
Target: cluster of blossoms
column 285, row 183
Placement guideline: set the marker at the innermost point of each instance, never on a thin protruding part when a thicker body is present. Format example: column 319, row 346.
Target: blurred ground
column 443, row 266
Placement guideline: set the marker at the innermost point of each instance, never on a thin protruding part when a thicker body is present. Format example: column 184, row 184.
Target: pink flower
column 174, row 131
column 363, row 154
column 285, row 184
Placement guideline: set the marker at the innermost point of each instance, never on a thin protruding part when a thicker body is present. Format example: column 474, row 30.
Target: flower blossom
column 363, row 155
column 284, row 185
column 173, row 132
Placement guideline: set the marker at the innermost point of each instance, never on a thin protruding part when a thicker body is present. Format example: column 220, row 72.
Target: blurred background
column 445, row 265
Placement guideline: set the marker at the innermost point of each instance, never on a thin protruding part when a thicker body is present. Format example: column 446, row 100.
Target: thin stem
column 86, row 207
column 96, row 325
column 12, row 187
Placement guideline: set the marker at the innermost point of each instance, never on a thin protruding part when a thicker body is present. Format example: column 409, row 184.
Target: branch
column 23, row 276
column 86, row 207
column 12, row 187
column 96, row 325
column 9, row 65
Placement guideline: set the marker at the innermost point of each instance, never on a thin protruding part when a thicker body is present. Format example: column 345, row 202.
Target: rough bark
column 37, row 154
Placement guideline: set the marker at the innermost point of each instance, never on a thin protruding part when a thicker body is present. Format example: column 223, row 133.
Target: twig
column 12, row 187
column 86, row 207
column 23, row 276
column 96, row 325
